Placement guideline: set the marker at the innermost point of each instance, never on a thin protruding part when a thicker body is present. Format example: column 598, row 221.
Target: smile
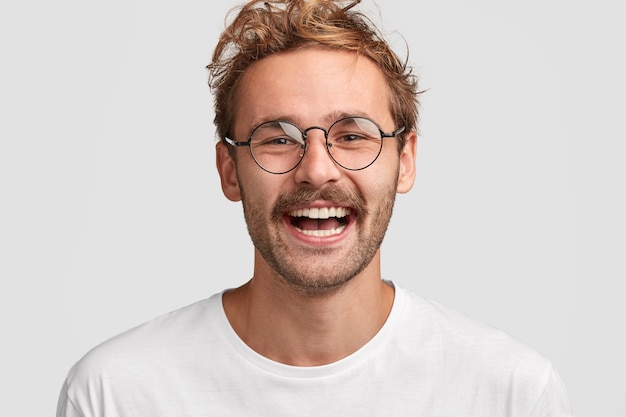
column 320, row 221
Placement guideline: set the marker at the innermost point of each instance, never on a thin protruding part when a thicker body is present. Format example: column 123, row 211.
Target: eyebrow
column 328, row 119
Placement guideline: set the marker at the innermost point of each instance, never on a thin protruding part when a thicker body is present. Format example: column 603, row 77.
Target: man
column 317, row 120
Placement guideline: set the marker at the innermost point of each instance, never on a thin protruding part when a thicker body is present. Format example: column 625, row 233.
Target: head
column 312, row 63
column 261, row 29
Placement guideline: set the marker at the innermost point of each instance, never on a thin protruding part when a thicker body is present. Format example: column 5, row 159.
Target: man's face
column 319, row 225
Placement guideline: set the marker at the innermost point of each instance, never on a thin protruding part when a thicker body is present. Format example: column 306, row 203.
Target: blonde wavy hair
column 263, row 28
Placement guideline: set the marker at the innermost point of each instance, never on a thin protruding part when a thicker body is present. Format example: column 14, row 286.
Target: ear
column 406, row 175
column 228, row 172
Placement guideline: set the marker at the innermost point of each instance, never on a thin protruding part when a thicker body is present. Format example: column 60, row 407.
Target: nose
column 317, row 167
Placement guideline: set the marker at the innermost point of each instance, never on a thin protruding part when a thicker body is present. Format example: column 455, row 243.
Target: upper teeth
column 321, row 212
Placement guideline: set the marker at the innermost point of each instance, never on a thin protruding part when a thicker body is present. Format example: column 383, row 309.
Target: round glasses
column 354, row 143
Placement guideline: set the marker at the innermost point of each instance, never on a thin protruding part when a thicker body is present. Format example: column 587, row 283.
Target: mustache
column 302, row 196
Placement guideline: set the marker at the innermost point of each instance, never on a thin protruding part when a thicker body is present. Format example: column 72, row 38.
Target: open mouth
column 320, row 221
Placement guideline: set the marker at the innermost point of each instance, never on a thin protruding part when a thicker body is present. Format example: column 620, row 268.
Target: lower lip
column 318, row 240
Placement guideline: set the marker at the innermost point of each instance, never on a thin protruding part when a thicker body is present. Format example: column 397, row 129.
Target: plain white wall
column 112, row 212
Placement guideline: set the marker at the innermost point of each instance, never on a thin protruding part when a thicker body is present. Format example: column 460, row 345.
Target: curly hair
column 263, row 28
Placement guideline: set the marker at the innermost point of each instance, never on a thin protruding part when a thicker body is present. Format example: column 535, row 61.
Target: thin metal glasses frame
column 303, row 146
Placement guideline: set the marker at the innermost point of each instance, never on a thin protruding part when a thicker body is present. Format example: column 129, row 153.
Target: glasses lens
column 277, row 146
column 355, row 142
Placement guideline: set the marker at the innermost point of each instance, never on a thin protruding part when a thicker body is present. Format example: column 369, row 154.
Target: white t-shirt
column 425, row 361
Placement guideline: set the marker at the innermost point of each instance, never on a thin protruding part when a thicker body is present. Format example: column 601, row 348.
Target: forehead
column 311, row 86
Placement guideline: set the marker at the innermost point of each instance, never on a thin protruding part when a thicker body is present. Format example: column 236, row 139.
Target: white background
column 111, row 211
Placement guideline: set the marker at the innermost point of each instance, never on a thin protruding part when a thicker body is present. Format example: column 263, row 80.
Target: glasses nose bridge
column 305, row 134
column 306, row 131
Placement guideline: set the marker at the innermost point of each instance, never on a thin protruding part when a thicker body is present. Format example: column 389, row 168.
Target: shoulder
column 137, row 349
column 446, row 325
column 463, row 344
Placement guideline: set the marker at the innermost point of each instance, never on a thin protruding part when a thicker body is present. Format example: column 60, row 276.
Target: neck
column 301, row 328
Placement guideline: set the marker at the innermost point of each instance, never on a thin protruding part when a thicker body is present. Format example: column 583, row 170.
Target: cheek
column 378, row 190
column 258, row 192
column 384, row 175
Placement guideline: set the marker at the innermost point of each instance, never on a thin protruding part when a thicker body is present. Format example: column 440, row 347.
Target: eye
column 277, row 134
column 277, row 141
column 349, row 137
